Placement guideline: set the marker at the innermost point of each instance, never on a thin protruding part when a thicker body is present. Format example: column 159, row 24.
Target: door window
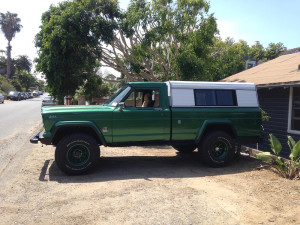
column 144, row 98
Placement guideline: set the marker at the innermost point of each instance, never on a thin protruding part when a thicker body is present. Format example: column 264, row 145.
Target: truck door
column 143, row 118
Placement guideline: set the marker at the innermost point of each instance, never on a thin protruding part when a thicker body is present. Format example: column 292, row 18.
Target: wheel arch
column 65, row 128
column 219, row 125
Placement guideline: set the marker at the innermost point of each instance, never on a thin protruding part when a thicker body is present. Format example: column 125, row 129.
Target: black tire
column 184, row 148
column 77, row 153
column 217, row 149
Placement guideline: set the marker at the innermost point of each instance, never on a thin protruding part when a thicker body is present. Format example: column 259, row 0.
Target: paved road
column 18, row 121
column 16, row 115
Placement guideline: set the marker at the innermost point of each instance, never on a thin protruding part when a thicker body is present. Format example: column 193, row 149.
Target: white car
column 48, row 101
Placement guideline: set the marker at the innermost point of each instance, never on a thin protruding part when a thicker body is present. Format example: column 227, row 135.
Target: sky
column 265, row 21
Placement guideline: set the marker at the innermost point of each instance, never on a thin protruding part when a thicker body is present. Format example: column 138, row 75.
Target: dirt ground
column 145, row 185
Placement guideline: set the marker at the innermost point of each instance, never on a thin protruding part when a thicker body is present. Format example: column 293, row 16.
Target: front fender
column 89, row 124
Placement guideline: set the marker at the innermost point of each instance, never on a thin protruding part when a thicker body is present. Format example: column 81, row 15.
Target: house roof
column 284, row 70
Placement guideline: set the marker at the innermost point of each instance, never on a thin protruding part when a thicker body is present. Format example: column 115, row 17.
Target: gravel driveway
column 144, row 185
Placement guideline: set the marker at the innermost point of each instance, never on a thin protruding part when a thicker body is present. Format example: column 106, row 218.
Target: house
column 278, row 88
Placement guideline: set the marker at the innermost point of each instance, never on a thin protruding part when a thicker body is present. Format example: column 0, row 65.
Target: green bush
column 5, row 86
column 286, row 168
column 17, row 84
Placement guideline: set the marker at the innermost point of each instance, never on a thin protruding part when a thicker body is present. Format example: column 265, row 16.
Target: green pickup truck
column 209, row 116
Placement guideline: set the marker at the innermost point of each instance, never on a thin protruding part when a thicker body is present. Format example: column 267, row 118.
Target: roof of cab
column 147, row 84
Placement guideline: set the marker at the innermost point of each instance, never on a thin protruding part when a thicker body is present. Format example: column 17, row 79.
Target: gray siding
column 276, row 103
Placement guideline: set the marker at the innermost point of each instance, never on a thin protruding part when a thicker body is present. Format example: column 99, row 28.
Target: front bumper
column 39, row 137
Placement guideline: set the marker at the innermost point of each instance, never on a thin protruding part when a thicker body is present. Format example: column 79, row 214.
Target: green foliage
column 228, row 58
column 69, row 42
column 288, row 169
column 264, row 115
column 91, row 88
column 10, row 25
column 166, row 40
column 275, row 144
column 41, row 84
column 23, row 63
column 291, row 142
column 27, row 80
column 274, row 50
column 5, row 85
column 295, row 151
column 257, row 52
column 17, row 84
column 3, row 62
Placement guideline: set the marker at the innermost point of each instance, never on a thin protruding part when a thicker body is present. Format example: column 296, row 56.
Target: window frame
column 234, row 97
column 142, row 90
column 290, row 112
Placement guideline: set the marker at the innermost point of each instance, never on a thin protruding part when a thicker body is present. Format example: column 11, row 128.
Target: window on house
column 295, row 120
column 215, row 97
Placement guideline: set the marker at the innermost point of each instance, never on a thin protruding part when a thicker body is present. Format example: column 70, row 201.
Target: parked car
column 48, row 101
column 26, row 95
column 35, row 93
column 14, row 95
column 23, row 96
column 210, row 116
column 1, row 98
column 30, row 94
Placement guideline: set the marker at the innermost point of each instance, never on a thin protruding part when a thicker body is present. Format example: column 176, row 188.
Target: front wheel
column 217, row 149
column 77, row 153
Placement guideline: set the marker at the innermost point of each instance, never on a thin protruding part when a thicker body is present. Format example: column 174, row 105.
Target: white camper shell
column 212, row 94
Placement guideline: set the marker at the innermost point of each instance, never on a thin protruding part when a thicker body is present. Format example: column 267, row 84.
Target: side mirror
column 121, row 106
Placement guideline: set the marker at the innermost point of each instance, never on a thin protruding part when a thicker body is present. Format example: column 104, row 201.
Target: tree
column 70, row 41
column 23, row 63
column 27, row 80
column 257, row 52
column 92, row 88
column 40, row 84
column 159, row 40
column 274, row 50
column 17, row 84
column 228, row 58
column 10, row 25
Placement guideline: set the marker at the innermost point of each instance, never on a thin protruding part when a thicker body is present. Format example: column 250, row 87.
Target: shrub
column 286, row 168
column 5, row 86
column 16, row 83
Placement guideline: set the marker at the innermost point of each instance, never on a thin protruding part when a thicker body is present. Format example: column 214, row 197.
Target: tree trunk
column 8, row 60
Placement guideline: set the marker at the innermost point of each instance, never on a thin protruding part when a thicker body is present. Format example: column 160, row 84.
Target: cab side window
column 143, row 98
column 129, row 102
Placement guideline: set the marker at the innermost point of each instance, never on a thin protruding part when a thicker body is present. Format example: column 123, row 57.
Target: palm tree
column 23, row 63
column 10, row 25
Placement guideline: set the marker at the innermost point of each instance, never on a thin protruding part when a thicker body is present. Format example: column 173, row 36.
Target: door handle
column 158, row 109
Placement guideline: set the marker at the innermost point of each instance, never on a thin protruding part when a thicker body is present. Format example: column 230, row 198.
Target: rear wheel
column 184, row 148
column 77, row 153
column 217, row 149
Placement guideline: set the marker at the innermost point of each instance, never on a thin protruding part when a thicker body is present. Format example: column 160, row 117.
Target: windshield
column 117, row 96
